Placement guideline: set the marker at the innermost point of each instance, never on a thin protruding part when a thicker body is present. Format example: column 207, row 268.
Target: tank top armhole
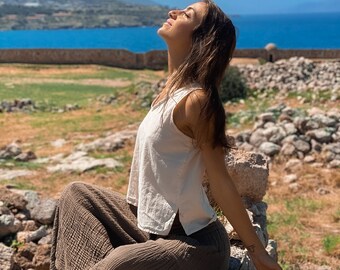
column 172, row 121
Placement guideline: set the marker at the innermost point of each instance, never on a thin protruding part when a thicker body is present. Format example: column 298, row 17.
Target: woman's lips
column 169, row 22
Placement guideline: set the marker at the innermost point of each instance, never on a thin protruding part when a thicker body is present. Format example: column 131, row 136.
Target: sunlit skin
column 177, row 33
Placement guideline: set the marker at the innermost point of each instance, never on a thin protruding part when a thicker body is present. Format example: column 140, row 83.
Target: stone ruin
column 296, row 74
column 291, row 134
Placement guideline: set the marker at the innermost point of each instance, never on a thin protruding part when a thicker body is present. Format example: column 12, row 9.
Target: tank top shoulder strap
column 185, row 91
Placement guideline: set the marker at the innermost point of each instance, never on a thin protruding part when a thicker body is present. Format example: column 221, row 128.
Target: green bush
column 233, row 86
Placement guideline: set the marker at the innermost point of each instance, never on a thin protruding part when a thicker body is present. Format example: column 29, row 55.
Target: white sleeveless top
column 167, row 173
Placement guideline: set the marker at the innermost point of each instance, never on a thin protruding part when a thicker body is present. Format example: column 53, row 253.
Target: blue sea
column 293, row 31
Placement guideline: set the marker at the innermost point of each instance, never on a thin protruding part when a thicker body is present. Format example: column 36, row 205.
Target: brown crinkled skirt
column 96, row 228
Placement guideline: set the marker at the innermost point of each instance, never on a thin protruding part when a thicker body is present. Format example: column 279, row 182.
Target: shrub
column 233, row 85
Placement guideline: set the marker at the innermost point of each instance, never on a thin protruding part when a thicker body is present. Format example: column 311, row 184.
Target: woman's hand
column 263, row 261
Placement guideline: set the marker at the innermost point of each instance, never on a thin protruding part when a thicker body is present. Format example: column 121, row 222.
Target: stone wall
column 126, row 59
column 108, row 57
column 278, row 54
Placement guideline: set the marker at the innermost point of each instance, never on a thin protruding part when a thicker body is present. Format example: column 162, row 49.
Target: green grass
column 290, row 217
column 277, row 220
column 54, row 94
column 301, row 204
column 330, row 242
column 19, row 184
column 336, row 215
column 82, row 123
column 121, row 181
column 21, row 165
column 311, row 95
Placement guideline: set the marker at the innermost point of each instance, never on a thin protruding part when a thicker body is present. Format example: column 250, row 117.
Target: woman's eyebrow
column 191, row 9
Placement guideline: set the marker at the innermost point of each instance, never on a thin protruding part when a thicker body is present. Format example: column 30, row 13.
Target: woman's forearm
column 228, row 199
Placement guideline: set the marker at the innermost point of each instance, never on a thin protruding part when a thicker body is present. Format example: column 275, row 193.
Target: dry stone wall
column 156, row 59
column 294, row 74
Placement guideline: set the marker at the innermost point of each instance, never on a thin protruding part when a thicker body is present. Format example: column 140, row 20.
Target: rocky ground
column 26, row 220
column 295, row 75
column 288, row 161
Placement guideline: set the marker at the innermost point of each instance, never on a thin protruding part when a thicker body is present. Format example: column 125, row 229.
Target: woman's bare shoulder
column 196, row 99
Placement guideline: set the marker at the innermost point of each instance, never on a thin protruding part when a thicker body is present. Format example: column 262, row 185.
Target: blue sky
column 265, row 6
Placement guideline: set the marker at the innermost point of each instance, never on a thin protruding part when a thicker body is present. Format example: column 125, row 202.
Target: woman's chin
column 161, row 32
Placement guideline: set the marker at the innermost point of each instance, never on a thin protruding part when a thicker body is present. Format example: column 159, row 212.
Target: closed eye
column 186, row 14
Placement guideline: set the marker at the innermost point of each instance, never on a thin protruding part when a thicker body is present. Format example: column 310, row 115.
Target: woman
column 166, row 221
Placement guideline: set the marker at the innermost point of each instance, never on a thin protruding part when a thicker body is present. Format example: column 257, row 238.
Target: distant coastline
column 255, row 31
column 106, row 15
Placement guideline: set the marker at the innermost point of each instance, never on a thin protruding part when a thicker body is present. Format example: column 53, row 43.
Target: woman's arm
column 187, row 118
column 226, row 196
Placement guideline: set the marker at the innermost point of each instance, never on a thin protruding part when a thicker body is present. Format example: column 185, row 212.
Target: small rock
column 320, row 135
column 12, row 200
column 290, row 128
column 45, row 240
column 58, row 143
column 270, row 149
column 9, row 224
column 272, row 249
column 317, row 147
column 302, row 146
column 11, row 174
column 21, row 216
column 266, row 117
column 309, row 159
column 293, row 165
column 294, row 187
column 32, row 199
column 334, row 164
column 317, row 165
column 323, row 191
column 290, row 178
column 6, row 257
column 288, row 149
column 44, row 211
column 29, row 225
column 24, row 157
column 257, row 137
column 246, row 147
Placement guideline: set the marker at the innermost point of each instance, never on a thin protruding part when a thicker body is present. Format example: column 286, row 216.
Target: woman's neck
column 176, row 57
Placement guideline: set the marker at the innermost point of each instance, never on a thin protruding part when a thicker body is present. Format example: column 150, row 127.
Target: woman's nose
column 173, row 14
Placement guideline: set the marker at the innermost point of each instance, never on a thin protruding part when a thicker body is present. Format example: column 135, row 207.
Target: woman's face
column 179, row 27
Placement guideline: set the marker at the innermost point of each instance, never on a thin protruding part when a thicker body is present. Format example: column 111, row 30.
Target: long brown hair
column 213, row 44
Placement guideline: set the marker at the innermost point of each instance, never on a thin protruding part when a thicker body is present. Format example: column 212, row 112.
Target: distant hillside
column 141, row 2
column 48, row 14
column 79, row 3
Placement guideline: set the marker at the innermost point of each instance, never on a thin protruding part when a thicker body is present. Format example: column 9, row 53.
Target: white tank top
column 167, row 173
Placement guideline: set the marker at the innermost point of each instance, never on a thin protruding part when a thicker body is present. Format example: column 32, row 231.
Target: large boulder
column 249, row 171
